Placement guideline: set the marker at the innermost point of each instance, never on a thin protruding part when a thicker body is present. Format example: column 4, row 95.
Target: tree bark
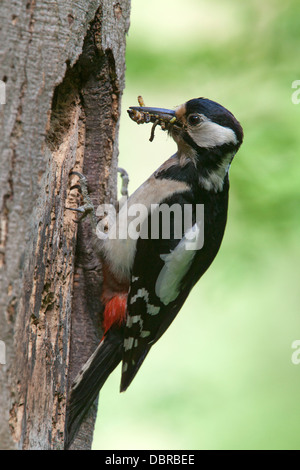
column 63, row 64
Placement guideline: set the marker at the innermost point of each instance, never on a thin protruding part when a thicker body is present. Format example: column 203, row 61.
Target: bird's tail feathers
column 90, row 380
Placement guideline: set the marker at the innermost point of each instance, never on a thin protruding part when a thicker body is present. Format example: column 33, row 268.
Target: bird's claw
column 125, row 181
column 87, row 207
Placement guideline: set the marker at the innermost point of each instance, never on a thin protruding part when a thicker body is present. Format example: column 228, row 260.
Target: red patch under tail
column 115, row 311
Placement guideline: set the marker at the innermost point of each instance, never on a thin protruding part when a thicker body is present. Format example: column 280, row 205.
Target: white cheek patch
column 209, row 134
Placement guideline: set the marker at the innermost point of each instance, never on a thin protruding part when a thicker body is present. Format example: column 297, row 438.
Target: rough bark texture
column 63, row 65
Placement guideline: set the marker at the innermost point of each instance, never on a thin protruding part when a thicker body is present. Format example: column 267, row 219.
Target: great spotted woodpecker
column 147, row 279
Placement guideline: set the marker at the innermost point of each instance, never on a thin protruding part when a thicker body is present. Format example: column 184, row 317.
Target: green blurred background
column 221, row 377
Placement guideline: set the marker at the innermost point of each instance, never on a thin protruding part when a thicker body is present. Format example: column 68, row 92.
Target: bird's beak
column 165, row 118
column 161, row 114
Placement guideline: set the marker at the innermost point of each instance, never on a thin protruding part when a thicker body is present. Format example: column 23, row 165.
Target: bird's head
column 206, row 134
column 204, row 124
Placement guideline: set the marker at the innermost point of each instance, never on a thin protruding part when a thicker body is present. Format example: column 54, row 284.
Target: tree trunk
column 63, row 67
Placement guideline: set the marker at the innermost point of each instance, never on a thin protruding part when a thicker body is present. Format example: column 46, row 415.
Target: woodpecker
column 146, row 280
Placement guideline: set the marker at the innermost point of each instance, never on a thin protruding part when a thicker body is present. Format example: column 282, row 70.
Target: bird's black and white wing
column 158, row 289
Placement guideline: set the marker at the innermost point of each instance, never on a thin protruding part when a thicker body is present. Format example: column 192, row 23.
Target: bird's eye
column 194, row 119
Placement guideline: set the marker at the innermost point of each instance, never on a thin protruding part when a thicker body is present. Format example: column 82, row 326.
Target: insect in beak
column 158, row 116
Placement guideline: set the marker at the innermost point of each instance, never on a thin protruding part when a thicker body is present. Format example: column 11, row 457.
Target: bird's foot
column 88, row 207
column 125, row 181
